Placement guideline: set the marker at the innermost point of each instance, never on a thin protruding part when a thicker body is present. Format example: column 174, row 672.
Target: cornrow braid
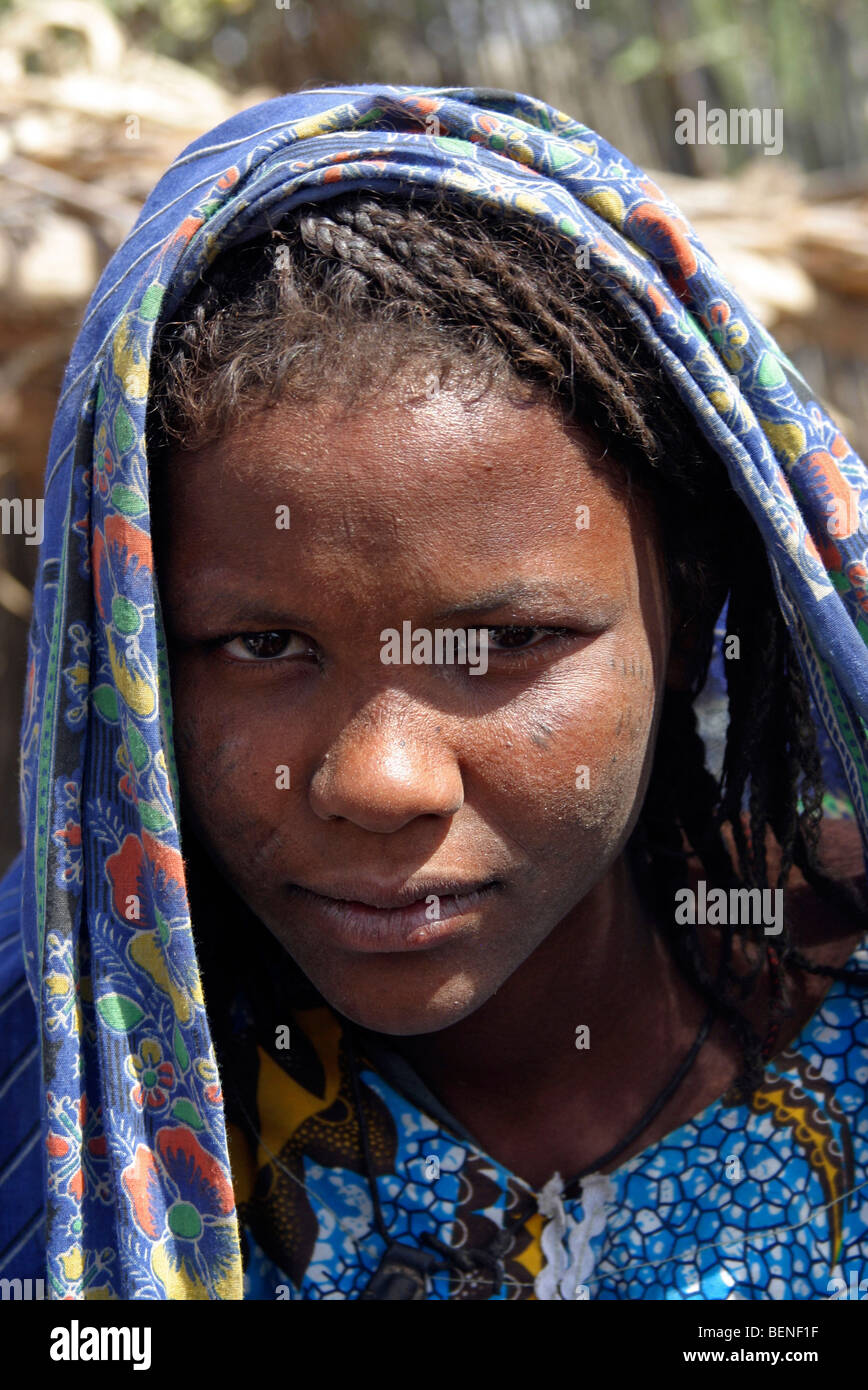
column 339, row 293
column 481, row 273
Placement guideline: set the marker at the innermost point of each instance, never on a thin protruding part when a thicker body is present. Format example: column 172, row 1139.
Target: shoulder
column 21, row 1191
column 827, row 932
column 11, row 956
column 825, row 929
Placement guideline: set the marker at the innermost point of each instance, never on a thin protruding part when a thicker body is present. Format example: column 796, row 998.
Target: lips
column 379, row 918
column 388, row 899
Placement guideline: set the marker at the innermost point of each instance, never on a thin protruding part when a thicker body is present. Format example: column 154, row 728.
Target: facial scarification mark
column 637, row 670
column 185, row 738
column 541, row 735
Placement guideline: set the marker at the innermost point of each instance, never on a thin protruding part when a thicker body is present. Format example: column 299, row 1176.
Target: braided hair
column 339, row 294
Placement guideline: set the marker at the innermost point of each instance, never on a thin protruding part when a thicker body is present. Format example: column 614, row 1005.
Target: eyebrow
column 237, row 610
column 252, row 611
column 229, row 609
column 519, row 596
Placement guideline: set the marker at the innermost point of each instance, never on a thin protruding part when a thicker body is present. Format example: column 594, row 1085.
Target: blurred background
column 96, row 98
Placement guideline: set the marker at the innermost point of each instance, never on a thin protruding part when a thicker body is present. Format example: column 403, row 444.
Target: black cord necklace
column 656, row 1105
column 402, row 1271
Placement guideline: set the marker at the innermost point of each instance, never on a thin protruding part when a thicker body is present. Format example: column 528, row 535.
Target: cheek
column 555, row 769
column 230, row 767
column 568, row 758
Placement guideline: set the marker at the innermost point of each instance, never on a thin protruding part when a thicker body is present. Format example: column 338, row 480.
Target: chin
column 384, row 1011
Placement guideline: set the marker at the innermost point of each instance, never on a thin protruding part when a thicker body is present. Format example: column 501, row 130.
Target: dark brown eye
column 265, row 643
column 510, row 638
column 266, row 646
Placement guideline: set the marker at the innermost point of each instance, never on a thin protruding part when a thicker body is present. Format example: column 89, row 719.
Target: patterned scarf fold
column 140, row 1200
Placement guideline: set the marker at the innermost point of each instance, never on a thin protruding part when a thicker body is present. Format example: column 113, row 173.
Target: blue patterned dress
column 761, row 1200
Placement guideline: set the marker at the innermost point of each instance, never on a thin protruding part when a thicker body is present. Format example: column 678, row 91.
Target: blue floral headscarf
column 128, row 1154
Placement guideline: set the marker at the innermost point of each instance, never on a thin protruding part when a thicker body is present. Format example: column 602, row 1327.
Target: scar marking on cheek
column 632, row 721
column 636, row 669
column 184, row 739
column 541, row 735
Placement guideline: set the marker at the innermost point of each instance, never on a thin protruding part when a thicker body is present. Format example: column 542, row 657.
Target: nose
column 384, row 769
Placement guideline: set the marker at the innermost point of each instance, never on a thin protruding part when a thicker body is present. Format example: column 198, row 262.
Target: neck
column 605, row 968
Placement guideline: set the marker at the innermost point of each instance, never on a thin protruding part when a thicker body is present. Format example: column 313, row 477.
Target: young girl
column 388, row 935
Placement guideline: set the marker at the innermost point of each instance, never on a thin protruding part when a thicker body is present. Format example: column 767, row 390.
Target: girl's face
column 334, row 789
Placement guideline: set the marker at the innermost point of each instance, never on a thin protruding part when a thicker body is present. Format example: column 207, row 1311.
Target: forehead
column 498, row 469
column 393, row 507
